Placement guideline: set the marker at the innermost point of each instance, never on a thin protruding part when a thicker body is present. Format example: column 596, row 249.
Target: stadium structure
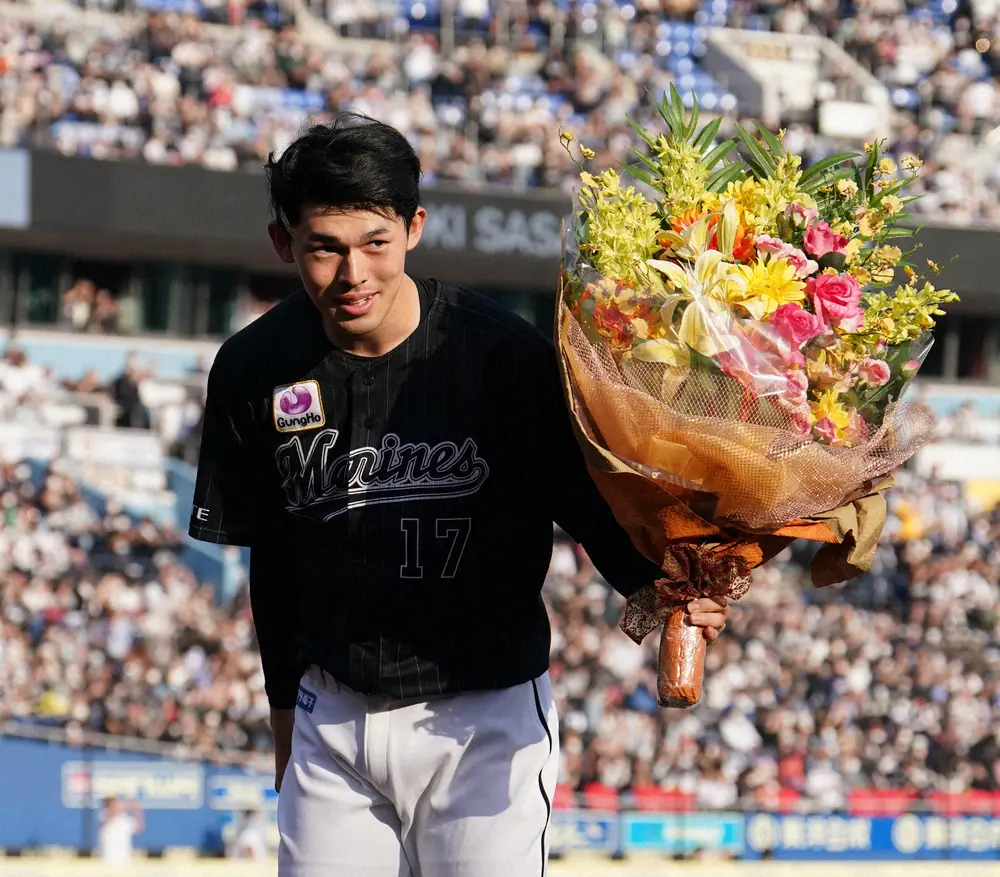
column 125, row 262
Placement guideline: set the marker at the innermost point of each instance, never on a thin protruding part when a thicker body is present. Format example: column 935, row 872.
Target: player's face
column 351, row 264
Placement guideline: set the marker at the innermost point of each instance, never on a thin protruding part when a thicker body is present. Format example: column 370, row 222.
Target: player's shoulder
column 467, row 306
column 267, row 334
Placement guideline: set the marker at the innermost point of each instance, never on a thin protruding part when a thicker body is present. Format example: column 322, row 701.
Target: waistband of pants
column 329, row 683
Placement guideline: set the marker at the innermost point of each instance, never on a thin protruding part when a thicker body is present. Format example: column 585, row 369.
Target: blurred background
column 859, row 722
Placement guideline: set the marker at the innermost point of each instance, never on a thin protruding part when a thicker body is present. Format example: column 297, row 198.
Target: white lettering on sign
column 829, row 833
column 445, row 227
column 517, row 233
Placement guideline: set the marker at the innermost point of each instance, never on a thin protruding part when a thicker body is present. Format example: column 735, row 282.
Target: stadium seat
column 652, row 798
column 597, row 796
column 564, row 798
column 879, row 802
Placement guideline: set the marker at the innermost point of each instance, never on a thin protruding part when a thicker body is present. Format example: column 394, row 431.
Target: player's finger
column 708, row 604
column 709, row 619
column 711, row 634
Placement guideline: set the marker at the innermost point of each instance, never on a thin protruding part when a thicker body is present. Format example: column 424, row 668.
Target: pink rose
column 796, row 324
column 800, row 424
column 857, row 430
column 911, row 367
column 772, row 246
column 765, row 243
column 803, row 265
column 820, row 239
column 874, row 372
column 734, row 364
column 801, row 216
column 836, row 299
column 825, row 429
column 798, row 383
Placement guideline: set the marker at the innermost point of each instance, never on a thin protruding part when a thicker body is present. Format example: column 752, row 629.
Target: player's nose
column 352, row 269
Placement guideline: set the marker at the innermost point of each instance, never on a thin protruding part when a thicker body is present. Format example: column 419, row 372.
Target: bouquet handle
column 681, row 668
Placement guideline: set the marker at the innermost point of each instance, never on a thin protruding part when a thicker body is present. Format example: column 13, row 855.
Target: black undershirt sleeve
column 274, row 599
column 578, row 506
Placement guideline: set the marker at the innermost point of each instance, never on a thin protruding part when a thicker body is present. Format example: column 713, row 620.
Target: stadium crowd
column 173, row 85
column 892, row 682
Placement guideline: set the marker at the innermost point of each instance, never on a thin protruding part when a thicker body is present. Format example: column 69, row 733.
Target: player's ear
column 416, row 228
column 281, row 241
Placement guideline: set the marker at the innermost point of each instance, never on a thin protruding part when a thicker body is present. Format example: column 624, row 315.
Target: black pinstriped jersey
column 399, row 509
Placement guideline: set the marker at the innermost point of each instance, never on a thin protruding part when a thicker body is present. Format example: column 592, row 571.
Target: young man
column 395, row 451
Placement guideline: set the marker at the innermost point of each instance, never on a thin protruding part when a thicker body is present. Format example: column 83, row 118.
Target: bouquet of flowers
column 734, row 350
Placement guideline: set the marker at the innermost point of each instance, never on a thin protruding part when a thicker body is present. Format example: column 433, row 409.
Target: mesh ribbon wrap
column 670, row 424
column 692, row 571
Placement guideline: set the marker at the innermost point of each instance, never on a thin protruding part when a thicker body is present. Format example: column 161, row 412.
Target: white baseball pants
column 452, row 786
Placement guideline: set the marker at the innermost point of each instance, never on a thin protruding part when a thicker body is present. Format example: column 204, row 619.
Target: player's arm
column 582, row 512
column 228, row 505
column 274, row 601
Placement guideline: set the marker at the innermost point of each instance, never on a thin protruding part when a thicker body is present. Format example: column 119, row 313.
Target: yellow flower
column 830, row 271
column 891, row 205
column 845, row 229
column 886, row 166
column 861, row 274
column 871, row 223
column 847, row 188
column 883, row 274
column 933, row 266
column 827, row 405
column 852, row 250
column 912, row 164
column 567, row 136
column 910, row 273
column 768, row 286
column 868, row 148
column 747, row 195
column 710, row 202
column 587, row 152
column 889, row 254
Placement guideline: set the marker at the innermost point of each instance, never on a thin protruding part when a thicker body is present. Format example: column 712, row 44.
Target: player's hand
column 710, row 613
column 282, row 725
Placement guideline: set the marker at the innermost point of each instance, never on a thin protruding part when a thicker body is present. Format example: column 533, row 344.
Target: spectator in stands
column 892, row 682
column 171, row 90
column 120, row 822
column 125, row 390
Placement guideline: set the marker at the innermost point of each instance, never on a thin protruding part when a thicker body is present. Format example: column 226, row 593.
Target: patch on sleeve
column 306, row 700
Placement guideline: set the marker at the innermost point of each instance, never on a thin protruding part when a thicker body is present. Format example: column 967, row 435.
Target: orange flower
column 744, row 249
column 689, row 217
column 743, row 245
column 613, row 325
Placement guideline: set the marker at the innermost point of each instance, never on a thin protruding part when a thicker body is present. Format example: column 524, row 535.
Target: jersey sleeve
column 227, row 503
column 577, row 504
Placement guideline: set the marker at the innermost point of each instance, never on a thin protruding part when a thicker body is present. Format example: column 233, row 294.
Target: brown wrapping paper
column 668, row 522
column 681, row 668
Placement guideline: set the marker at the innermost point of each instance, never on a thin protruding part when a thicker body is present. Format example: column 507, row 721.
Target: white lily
column 707, row 320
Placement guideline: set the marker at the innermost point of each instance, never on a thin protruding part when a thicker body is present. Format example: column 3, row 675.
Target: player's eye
column 378, row 245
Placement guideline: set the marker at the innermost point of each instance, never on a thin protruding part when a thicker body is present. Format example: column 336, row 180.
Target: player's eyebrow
column 320, row 238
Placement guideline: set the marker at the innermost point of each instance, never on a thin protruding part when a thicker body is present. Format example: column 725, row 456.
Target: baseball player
column 394, row 451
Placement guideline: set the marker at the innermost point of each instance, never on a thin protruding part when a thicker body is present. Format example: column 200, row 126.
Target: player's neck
column 399, row 324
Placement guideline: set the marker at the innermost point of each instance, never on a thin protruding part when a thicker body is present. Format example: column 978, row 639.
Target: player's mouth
column 356, row 305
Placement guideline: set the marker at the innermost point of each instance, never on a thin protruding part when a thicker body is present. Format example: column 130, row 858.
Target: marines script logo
column 322, row 486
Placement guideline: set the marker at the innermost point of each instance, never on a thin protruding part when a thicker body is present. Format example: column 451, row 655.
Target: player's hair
column 351, row 163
